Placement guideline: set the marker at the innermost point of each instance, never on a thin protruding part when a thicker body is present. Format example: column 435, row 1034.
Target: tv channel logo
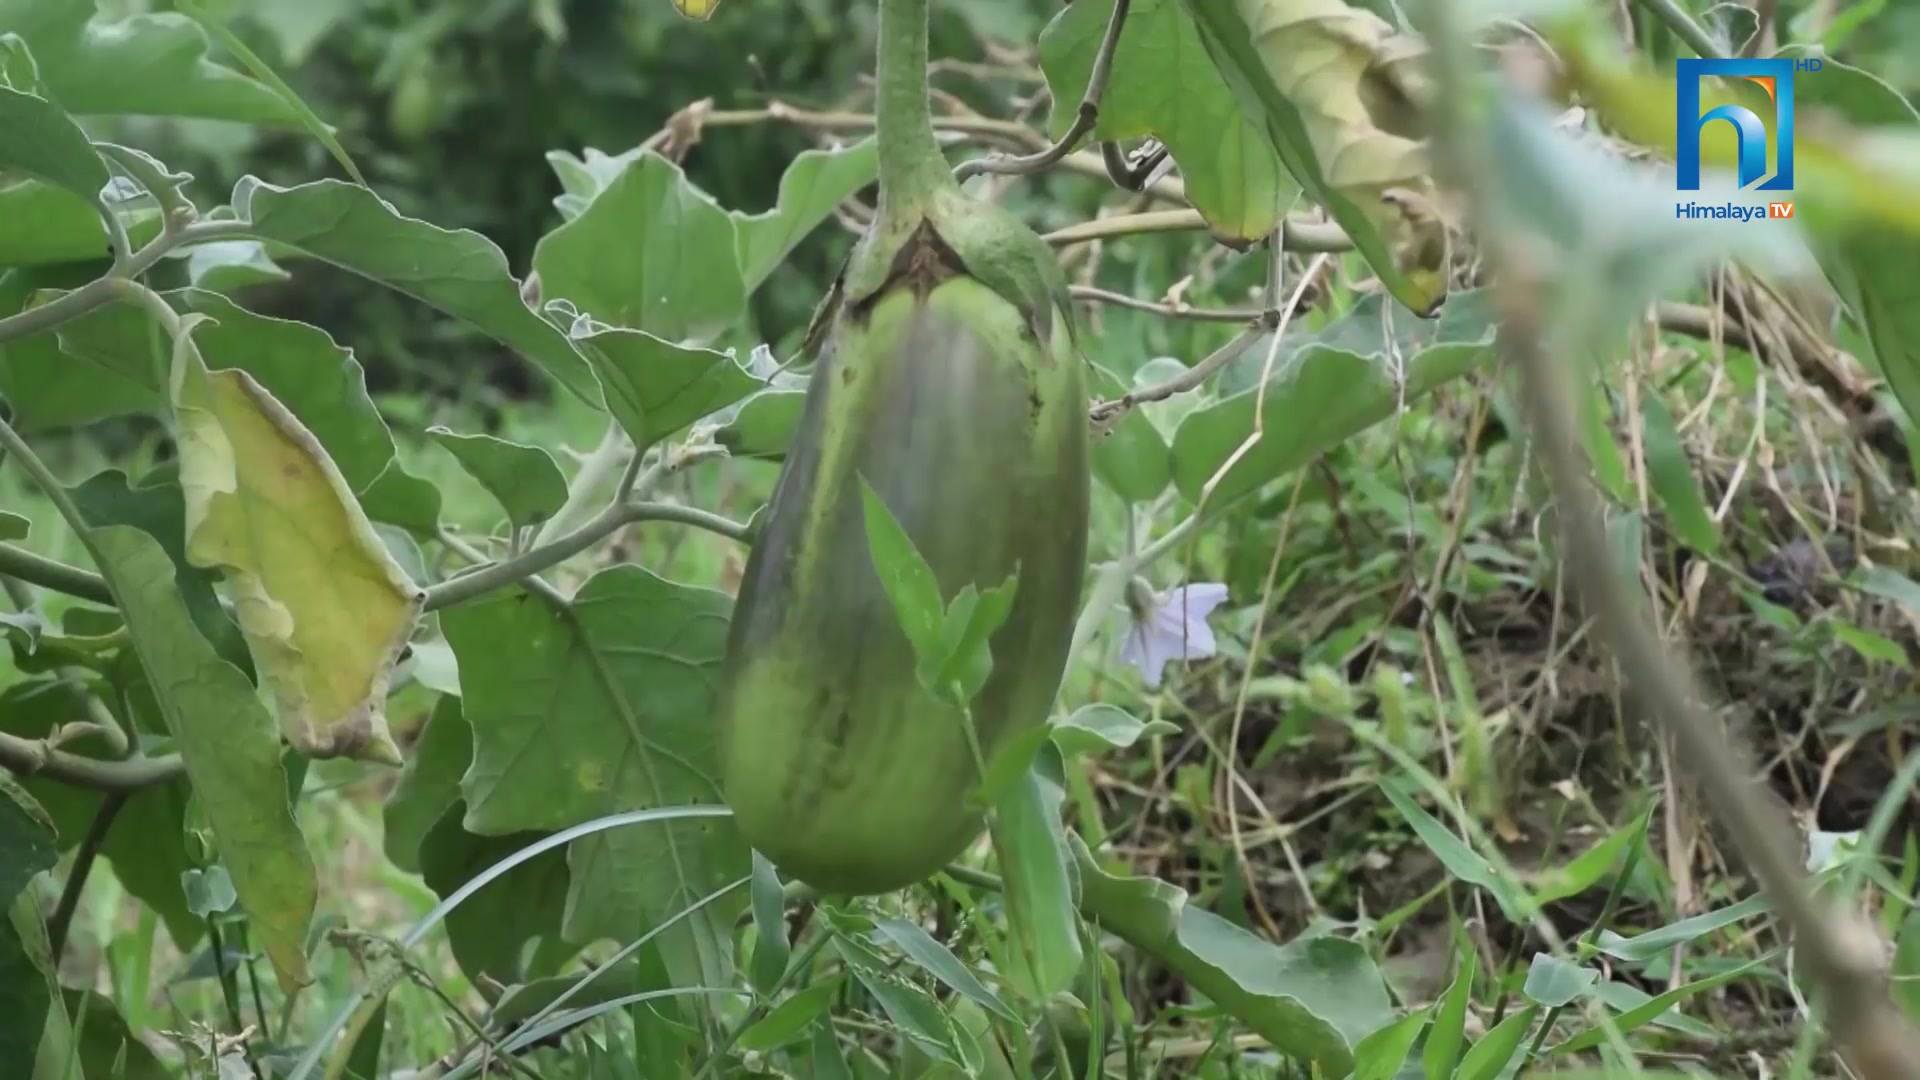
column 1751, row 133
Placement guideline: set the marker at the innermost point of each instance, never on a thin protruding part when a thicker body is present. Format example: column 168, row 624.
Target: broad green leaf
column 458, row 271
column 1326, row 387
column 26, row 987
column 603, row 709
column 1869, row 645
column 324, row 607
column 231, row 749
column 1311, row 71
column 227, row 266
column 1652, row 1009
column 764, row 424
column 1554, row 982
column 938, row 961
column 1448, row 1034
column 39, row 140
column 828, row 1062
column 26, row 840
column 1642, row 947
column 523, row 479
column 1314, row 998
column 651, row 252
column 1623, row 997
column 963, row 661
column 815, row 182
column 48, row 225
column 13, row 526
column 107, row 1048
column 1494, row 1052
column 907, row 578
column 770, row 951
column 655, row 387
column 1041, row 887
column 1380, row 1055
column 491, row 930
column 1888, row 584
column 1670, row 472
column 35, row 378
column 1099, row 727
column 1130, row 457
column 789, row 1020
column 151, row 65
column 1164, row 85
column 428, row 785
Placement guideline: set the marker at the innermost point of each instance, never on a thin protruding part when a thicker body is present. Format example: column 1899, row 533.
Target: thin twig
column 1083, row 120
column 1301, row 235
column 1172, row 311
column 1684, row 27
column 83, row 860
column 1106, row 411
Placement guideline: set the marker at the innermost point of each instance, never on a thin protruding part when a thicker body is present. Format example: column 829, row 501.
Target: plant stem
column 759, row 1009
column 16, row 562
column 83, row 860
column 1683, row 27
column 30, row 757
column 912, row 169
column 1083, row 121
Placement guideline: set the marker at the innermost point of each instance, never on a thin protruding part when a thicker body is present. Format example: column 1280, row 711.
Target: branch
column 499, row 575
column 1301, row 235
column 62, row 919
column 17, row 562
column 1172, row 311
column 1105, row 412
column 32, row 757
column 1683, row 27
column 1083, row 121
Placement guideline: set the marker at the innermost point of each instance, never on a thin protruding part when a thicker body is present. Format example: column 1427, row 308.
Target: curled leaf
column 324, row 608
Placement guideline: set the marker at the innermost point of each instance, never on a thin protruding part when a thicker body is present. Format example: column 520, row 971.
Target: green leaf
column 492, row 928
column 325, row 609
column 1554, row 982
column 523, row 479
column 48, row 224
column 39, row 140
column 209, row 891
column 907, row 578
column 651, row 252
column 1165, row 85
column 603, row 709
column 429, row 784
column 107, row 1048
column 789, row 1020
column 231, row 748
column 1592, row 865
column 26, row 988
column 1869, row 645
column 764, row 424
column 34, row 377
column 1888, row 584
column 1652, row 1009
column 1905, row 986
column 1380, row 1055
column 1642, row 947
column 963, row 661
column 1130, row 457
column 828, row 1062
column 1099, row 727
column 815, row 182
column 770, row 950
column 938, row 961
column 1325, row 388
column 149, row 65
column 1314, row 998
column 1030, row 844
column 26, row 840
column 911, row 1009
column 227, row 266
column 1448, row 1033
column 1302, row 78
column 13, row 526
column 1670, row 472
column 1495, row 1050
column 655, row 387
column 1460, row 860
column 457, row 271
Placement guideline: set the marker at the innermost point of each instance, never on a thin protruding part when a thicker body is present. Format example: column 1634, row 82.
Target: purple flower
column 1171, row 626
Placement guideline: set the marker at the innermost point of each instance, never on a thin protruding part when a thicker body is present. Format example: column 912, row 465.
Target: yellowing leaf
column 324, row 608
column 697, row 9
